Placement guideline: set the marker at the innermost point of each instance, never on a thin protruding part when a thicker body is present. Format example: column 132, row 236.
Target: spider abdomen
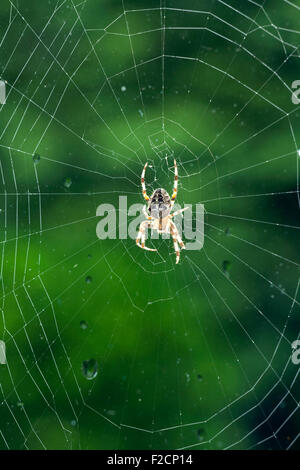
column 159, row 204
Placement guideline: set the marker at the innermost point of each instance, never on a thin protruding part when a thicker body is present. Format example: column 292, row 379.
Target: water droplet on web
column 88, row 279
column 226, row 266
column 83, row 325
column 141, row 113
column 73, row 423
column 123, row 88
column 36, row 158
column 67, row 183
column 90, row 369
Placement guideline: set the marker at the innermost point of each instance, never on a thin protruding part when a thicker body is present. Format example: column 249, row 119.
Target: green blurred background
column 196, row 355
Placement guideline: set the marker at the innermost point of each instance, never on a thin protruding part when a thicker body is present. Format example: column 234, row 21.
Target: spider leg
column 146, row 214
column 143, row 183
column 142, row 236
column 175, row 183
column 179, row 211
column 176, row 247
column 177, row 235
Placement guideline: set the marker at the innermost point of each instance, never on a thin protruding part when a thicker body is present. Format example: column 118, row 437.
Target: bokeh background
column 108, row 346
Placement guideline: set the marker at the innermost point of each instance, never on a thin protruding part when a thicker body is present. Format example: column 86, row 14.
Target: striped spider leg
column 176, row 239
column 140, row 241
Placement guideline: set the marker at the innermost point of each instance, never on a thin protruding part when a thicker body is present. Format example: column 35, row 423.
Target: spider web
column 193, row 356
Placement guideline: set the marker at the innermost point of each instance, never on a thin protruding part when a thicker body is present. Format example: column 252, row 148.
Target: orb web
column 108, row 346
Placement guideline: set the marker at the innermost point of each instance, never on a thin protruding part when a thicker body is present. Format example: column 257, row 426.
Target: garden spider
column 158, row 216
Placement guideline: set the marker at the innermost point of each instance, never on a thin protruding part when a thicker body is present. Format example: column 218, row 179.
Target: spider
column 158, row 214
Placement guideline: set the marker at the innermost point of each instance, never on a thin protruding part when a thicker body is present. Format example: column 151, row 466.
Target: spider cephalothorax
column 159, row 214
